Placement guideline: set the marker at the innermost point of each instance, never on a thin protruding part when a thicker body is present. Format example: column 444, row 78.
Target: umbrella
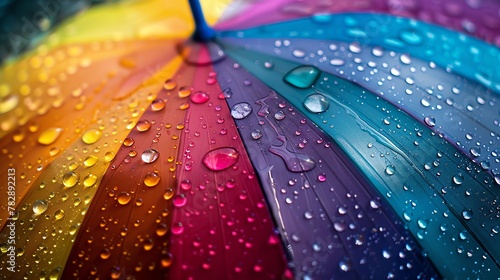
column 329, row 140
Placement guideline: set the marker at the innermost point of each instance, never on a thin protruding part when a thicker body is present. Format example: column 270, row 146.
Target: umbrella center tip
column 202, row 32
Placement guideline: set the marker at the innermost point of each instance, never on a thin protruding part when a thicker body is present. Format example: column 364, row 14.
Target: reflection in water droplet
column 430, row 121
column 124, row 198
column 256, row 134
column 91, row 136
column 280, row 115
column 467, row 214
column 169, row 84
column 302, row 76
column 150, row 155
column 50, row 135
column 458, row 179
column 316, row 103
column 390, row 169
column 199, row 97
column 151, row 179
column 180, row 200
column 39, row 207
column 70, row 179
column 241, row 110
column 143, row 125
column 220, row 159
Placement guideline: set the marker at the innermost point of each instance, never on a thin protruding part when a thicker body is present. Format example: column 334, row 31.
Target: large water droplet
column 151, row 179
column 390, row 169
column 316, row 103
column 70, row 179
column 143, row 125
column 256, row 134
column 124, row 198
column 430, row 121
column 458, row 179
column 241, row 110
column 39, row 207
column 50, row 135
column 467, row 214
column 199, row 97
column 89, row 180
column 91, row 136
column 180, row 200
column 220, row 159
column 302, row 76
column 150, row 155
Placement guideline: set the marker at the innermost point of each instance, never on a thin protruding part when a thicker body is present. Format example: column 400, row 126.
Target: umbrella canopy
column 329, row 140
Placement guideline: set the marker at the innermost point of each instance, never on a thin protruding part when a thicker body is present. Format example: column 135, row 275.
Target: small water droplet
column 422, row 223
column 184, row 91
column 150, row 155
column 345, row 264
column 298, row 53
column 241, row 110
column 157, row 105
column 170, row 84
column 220, row 159
column 355, row 47
column 308, row 215
column 89, row 180
column 316, row 103
column 337, row 62
column 128, row 142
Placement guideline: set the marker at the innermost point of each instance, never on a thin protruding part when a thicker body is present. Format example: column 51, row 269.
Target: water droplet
column 184, row 92
column 345, row 264
column 339, row 226
column 355, row 47
column 220, row 159
column 157, row 105
column 390, row 169
column 186, row 184
column 308, row 215
column 256, row 134
column 128, row 142
column 70, row 179
column 150, row 155
column 59, row 214
column 302, row 76
column 422, row 223
column 430, row 121
column 151, row 179
column 374, row 204
column 177, row 228
column 169, row 84
column 199, row 97
column 89, row 180
column 268, row 64
column 180, row 200
column 90, row 161
column 143, row 125
column 386, row 254
column 467, row 214
column 8, row 103
column 124, row 198
column 405, row 58
column 39, row 207
column 377, row 51
column 458, row 179
column 280, row 115
column 241, row 110
column 411, row 37
column 298, row 53
column 475, row 151
column 322, row 177
column 50, row 135
column 316, row 103
column 337, row 62
column 91, row 136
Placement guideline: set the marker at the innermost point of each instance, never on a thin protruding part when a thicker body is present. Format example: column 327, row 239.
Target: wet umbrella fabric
column 180, row 179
